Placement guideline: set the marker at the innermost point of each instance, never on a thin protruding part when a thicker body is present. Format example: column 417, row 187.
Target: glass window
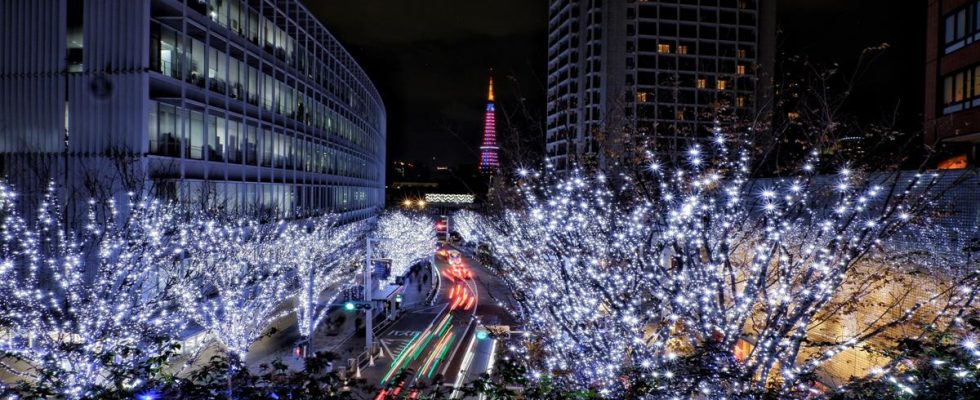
column 233, row 150
column 958, row 88
column 153, row 128
column 197, row 135
column 234, row 81
column 290, row 152
column 267, row 145
column 216, row 70
column 950, row 28
column 960, row 24
column 975, row 26
column 170, row 54
column 267, row 93
column 280, row 151
column 269, row 36
column 948, row 90
column 277, row 98
column 222, row 12
column 168, row 136
column 251, row 146
column 234, row 17
column 196, row 67
column 216, row 138
column 976, row 81
column 253, row 86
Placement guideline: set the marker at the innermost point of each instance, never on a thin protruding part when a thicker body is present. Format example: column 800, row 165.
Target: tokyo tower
column 488, row 151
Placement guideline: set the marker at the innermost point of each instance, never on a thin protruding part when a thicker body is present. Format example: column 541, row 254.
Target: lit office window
column 959, row 93
column 663, row 48
column 721, row 84
column 702, row 83
column 681, row 49
column 740, row 69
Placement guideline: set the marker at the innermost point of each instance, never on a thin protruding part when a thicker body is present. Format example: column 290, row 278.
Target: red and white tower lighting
column 488, row 151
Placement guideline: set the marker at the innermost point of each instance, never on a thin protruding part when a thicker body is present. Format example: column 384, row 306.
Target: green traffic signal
column 349, row 306
column 482, row 335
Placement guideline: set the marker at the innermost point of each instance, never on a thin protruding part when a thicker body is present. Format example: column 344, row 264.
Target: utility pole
column 369, row 311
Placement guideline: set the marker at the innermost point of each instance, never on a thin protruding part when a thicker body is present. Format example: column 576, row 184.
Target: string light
column 716, row 283
column 405, row 239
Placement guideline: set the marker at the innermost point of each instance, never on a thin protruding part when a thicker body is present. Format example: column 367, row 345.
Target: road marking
column 401, row 333
column 464, row 368
column 397, row 344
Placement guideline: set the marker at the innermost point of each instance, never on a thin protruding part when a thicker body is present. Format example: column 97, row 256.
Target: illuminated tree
column 405, row 239
column 696, row 279
column 322, row 259
column 98, row 312
column 467, row 224
column 82, row 312
column 241, row 282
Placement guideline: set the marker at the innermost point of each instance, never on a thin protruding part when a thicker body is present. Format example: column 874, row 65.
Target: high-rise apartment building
column 625, row 72
column 952, row 98
column 239, row 105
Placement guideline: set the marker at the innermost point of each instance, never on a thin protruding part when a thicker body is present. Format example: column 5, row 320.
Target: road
column 437, row 347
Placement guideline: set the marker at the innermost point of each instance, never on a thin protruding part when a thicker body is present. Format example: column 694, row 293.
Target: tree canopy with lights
column 405, row 239
column 696, row 279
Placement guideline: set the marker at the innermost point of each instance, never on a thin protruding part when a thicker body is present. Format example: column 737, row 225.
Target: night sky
column 430, row 60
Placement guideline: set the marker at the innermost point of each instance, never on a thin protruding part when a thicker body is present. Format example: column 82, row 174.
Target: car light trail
column 435, row 352
column 464, row 368
column 418, row 343
column 490, row 362
column 442, row 355
column 401, row 357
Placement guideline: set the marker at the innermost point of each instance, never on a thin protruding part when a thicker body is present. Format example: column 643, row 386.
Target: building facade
column 952, row 103
column 625, row 72
column 239, row 105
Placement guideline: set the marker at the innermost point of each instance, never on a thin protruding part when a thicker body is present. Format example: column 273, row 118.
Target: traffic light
column 482, row 334
column 442, row 227
column 356, row 305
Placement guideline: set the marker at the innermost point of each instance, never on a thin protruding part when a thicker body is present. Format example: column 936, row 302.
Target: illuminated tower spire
column 488, row 151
